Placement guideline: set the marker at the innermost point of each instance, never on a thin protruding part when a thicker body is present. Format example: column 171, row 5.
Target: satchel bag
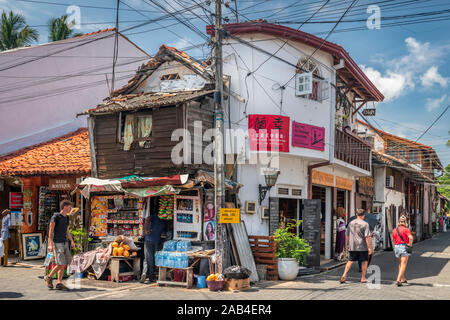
column 408, row 248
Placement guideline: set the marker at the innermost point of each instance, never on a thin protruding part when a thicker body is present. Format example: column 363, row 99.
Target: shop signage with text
column 342, row 183
column 15, row 200
column 62, row 184
column 307, row 136
column 230, row 215
column 322, row 178
column 268, row 132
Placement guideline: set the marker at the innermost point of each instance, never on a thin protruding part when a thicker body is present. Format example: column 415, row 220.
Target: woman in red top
column 400, row 241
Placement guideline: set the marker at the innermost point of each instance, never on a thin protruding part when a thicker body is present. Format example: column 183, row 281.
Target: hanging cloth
column 128, row 132
column 144, row 128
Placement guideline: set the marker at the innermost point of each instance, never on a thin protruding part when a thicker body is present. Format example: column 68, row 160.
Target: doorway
column 320, row 194
column 290, row 210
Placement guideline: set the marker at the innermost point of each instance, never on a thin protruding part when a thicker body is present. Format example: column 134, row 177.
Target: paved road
column 428, row 275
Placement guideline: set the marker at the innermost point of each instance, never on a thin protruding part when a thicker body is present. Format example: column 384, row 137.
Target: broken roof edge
column 105, row 109
column 144, row 71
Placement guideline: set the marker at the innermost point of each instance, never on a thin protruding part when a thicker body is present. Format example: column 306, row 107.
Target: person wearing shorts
column 359, row 245
column 58, row 237
column 400, row 241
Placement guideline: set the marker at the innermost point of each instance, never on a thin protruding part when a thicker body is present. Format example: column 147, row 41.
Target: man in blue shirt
column 153, row 227
column 6, row 223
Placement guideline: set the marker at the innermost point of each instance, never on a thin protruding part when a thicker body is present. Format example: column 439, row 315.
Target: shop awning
column 158, row 181
column 135, row 185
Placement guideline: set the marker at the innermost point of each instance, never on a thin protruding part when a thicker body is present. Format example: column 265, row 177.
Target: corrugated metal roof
column 134, row 102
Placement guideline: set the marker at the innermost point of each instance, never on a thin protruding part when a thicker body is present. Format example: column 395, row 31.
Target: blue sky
column 408, row 63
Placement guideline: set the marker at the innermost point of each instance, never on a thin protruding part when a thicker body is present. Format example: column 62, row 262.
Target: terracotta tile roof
column 402, row 165
column 394, row 136
column 68, row 154
column 145, row 101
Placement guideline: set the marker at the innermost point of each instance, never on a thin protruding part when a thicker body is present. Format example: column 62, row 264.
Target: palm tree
column 60, row 29
column 14, row 31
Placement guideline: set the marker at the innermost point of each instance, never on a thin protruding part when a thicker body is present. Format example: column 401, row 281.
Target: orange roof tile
column 68, row 154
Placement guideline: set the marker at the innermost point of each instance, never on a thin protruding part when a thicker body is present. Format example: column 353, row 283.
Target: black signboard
column 311, row 230
column 369, row 112
column 274, row 215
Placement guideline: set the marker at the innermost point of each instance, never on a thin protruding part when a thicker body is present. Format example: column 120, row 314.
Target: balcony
column 352, row 150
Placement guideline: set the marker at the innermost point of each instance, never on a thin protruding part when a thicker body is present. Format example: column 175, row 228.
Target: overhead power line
column 433, row 123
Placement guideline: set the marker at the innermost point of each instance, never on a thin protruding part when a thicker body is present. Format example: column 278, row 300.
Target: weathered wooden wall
column 114, row 162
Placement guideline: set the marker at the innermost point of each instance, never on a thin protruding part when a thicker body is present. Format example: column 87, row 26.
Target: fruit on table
column 134, row 254
column 127, row 247
column 115, row 244
column 120, row 251
column 126, row 253
column 115, row 252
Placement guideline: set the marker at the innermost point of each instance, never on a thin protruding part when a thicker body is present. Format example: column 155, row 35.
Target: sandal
column 363, row 281
column 399, row 284
column 342, row 280
column 405, row 281
column 49, row 282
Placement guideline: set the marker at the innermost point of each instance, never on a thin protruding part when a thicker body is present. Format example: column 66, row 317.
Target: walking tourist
column 402, row 240
column 58, row 237
column 6, row 223
column 359, row 245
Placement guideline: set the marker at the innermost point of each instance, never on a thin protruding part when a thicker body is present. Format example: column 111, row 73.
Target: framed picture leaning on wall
column 31, row 245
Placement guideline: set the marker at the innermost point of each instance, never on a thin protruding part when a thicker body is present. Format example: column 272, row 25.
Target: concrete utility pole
column 219, row 175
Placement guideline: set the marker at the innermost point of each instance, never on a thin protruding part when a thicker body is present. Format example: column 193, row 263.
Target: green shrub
column 290, row 245
column 80, row 238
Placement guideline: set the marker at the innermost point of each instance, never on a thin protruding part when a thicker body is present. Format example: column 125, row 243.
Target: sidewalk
column 428, row 276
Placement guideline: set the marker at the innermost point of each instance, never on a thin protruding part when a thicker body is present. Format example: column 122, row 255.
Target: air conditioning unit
column 389, row 181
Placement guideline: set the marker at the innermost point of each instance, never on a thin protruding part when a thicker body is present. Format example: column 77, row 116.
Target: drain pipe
column 310, row 168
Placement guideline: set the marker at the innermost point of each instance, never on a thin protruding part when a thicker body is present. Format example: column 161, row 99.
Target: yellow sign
column 230, row 215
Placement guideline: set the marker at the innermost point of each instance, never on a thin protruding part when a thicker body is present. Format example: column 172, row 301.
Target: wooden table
column 187, row 277
column 114, row 267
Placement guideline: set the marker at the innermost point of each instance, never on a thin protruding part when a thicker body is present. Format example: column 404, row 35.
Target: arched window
column 308, row 65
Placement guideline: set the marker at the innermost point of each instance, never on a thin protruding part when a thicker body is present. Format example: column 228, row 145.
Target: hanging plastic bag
column 43, row 249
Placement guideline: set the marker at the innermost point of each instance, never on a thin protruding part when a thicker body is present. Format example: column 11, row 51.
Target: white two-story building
column 307, row 89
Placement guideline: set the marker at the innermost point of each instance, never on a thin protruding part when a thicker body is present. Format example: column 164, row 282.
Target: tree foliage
column 444, row 182
column 60, row 29
column 14, row 32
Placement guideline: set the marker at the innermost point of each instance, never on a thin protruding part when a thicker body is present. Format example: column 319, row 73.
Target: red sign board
column 307, row 136
column 268, row 132
column 15, row 200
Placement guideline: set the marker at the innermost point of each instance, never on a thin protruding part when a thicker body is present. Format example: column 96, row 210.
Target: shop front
column 118, row 209
column 333, row 191
column 41, row 176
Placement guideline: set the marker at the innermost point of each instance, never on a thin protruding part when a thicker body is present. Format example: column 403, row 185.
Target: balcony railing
column 352, row 150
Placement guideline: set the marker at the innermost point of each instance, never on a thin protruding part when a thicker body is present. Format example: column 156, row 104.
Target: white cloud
column 402, row 74
column 432, row 104
column 392, row 84
column 432, row 76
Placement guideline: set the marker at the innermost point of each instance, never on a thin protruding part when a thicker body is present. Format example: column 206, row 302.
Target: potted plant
column 291, row 251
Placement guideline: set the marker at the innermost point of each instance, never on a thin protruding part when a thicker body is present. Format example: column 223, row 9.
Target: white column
column 328, row 221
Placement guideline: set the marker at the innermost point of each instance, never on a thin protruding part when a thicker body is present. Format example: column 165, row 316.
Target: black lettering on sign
column 311, row 229
column 274, row 215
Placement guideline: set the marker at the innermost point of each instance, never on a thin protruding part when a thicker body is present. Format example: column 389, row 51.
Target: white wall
column 239, row 59
column 39, row 100
column 293, row 175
